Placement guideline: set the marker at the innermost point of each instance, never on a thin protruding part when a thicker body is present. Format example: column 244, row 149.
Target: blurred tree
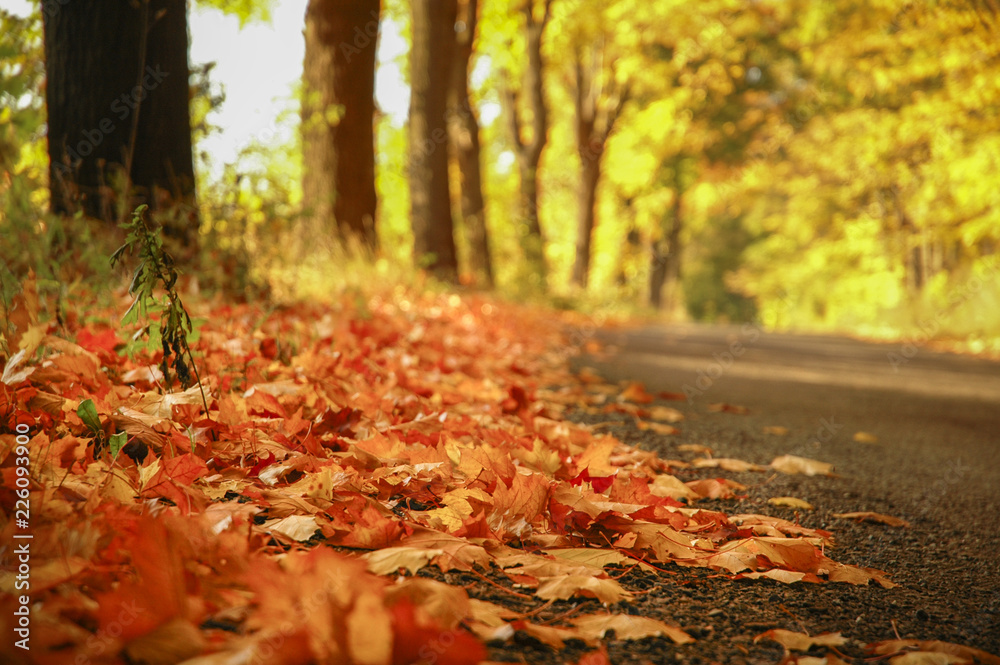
column 598, row 101
column 430, row 70
column 464, row 136
column 877, row 201
column 338, row 110
column 117, row 98
column 530, row 145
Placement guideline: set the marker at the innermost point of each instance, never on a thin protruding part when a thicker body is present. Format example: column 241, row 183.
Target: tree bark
column 430, row 70
column 464, row 133
column 117, row 97
column 529, row 149
column 338, row 110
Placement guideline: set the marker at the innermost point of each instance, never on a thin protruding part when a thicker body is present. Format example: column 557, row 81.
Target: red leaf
column 261, row 463
column 103, row 343
column 416, row 643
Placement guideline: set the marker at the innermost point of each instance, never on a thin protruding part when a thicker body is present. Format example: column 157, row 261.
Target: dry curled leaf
column 879, row 518
column 790, row 502
column 628, row 627
column 793, row 641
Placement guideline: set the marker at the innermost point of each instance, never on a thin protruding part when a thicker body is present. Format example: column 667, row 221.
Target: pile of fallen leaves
column 345, row 448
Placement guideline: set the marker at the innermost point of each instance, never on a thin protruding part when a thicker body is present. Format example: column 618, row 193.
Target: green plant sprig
column 156, row 269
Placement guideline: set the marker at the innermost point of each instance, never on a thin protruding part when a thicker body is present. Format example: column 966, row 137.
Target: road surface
column 931, row 412
column 932, row 457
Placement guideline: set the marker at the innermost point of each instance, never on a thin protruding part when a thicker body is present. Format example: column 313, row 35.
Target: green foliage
column 715, row 251
column 154, row 271
column 62, row 252
column 248, row 11
column 87, row 412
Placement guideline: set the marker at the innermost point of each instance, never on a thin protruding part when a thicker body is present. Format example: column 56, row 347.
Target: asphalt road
column 936, row 460
column 936, row 415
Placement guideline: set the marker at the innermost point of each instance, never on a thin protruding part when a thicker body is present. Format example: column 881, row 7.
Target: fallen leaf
column 389, row 560
column 716, row 488
column 969, row 654
column 722, row 407
column 696, row 448
column 636, row 392
column 790, row 502
column 296, row 527
column 879, row 518
column 777, row 430
column 865, row 437
column 665, row 414
column 659, row 428
column 793, row 464
column 589, row 375
column 793, row 641
column 563, row 588
column 553, row 636
column 170, row 643
column 628, row 627
column 667, row 485
column 726, row 464
column 929, row 658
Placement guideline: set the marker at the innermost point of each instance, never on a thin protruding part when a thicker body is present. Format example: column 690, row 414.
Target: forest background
column 811, row 165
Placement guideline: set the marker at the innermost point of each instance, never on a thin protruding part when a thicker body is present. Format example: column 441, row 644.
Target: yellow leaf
column 369, row 631
column 863, row 516
column 665, row 414
column 659, row 428
column 726, row 464
column 790, row 502
column 670, row 486
column 565, row 587
column 792, row 464
column 628, row 627
column 389, row 560
column 296, row 527
column 801, row 641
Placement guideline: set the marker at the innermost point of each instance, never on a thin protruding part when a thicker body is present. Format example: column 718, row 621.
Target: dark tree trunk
column 464, row 132
column 338, row 110
column 587, row 200
column 529, row 150
column 665, row 268
column 914, row 264
column 117, row 96
column 430, row 70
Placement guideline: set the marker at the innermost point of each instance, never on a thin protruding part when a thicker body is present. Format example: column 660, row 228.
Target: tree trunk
column 586, row 219
column 464, row 133
column 665, row 270
column 430, row 69
column 117, row 97
column 595, row 118
column 338, row 110
column 530, row 149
